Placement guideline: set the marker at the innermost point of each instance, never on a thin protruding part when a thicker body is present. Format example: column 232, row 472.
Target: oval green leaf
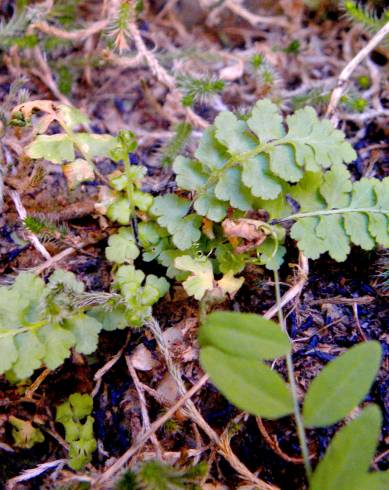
column 250, row 385
column 349, row 454
column 244, row 335
column 378, row 480
column 341, row 385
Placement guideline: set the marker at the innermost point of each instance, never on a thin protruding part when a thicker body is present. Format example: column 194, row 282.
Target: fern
column 259, row 163
column 75, row 416
column 40, row 323
column 245, row 165
column 338, row 213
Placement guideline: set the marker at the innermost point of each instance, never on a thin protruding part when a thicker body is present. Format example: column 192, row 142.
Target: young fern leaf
column 239, row 161
column 338, row 213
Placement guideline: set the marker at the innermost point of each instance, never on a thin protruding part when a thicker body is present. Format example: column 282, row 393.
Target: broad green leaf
column 244, row 335
column 30, row 354
column 233, row 133
column 331, row 230
column 201, row 279
column 356, row 224
column 56, row 148
column 256, row 175
column 250, row 385
column 208, row 205
column 170, row 209
column 121, row 247
column 336, row 187
column 228, row 260
column 86, row 331
column 349, row 454
column 119, row 211
column 114, row 319
column 189, row 174
column 142, row 200
column 187, row 232
column 379, row 223
column 276, row 208
column 306, row 192
column 283, row 163
column 377, row 480
column 29, row 286
column 150, row 233
column 95, row 145
column 159, row 283
column 67, row 280
column 316, row 143
column 304, row 231
column 210, row 152
column 129, row 279
column 58, row 342
column 271, row 254
column 73, row 117
column 8, row 352
column 341, row 385
column 82, row 405
column 230, row 188
column 266, row 121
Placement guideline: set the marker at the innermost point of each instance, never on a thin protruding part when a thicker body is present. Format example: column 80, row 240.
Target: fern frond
column 338, row 213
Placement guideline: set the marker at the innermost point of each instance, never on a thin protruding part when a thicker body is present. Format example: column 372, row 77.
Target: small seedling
column 75, row 417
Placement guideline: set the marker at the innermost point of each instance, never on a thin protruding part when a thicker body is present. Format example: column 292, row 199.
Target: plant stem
column 327, row 212
column 293, row 386
column 130, row 198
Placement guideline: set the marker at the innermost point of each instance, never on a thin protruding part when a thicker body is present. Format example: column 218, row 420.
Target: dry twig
column 22, row 213
column 349, row 68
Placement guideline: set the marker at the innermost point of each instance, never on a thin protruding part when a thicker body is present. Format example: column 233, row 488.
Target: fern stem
column 293, row 387
column 327, row 212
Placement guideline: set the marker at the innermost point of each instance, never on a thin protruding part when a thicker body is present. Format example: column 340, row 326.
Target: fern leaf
column 354, row 214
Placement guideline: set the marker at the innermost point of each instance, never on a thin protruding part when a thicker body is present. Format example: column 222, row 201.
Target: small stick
column 254, row 19
column 22, row 213
column 117, row 466
column 349, row 68
column 142, row 400
column 34, row 472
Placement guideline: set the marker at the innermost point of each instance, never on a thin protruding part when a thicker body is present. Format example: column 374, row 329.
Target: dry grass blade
column 349, row 68
column 33, row 473
column 122, row 461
